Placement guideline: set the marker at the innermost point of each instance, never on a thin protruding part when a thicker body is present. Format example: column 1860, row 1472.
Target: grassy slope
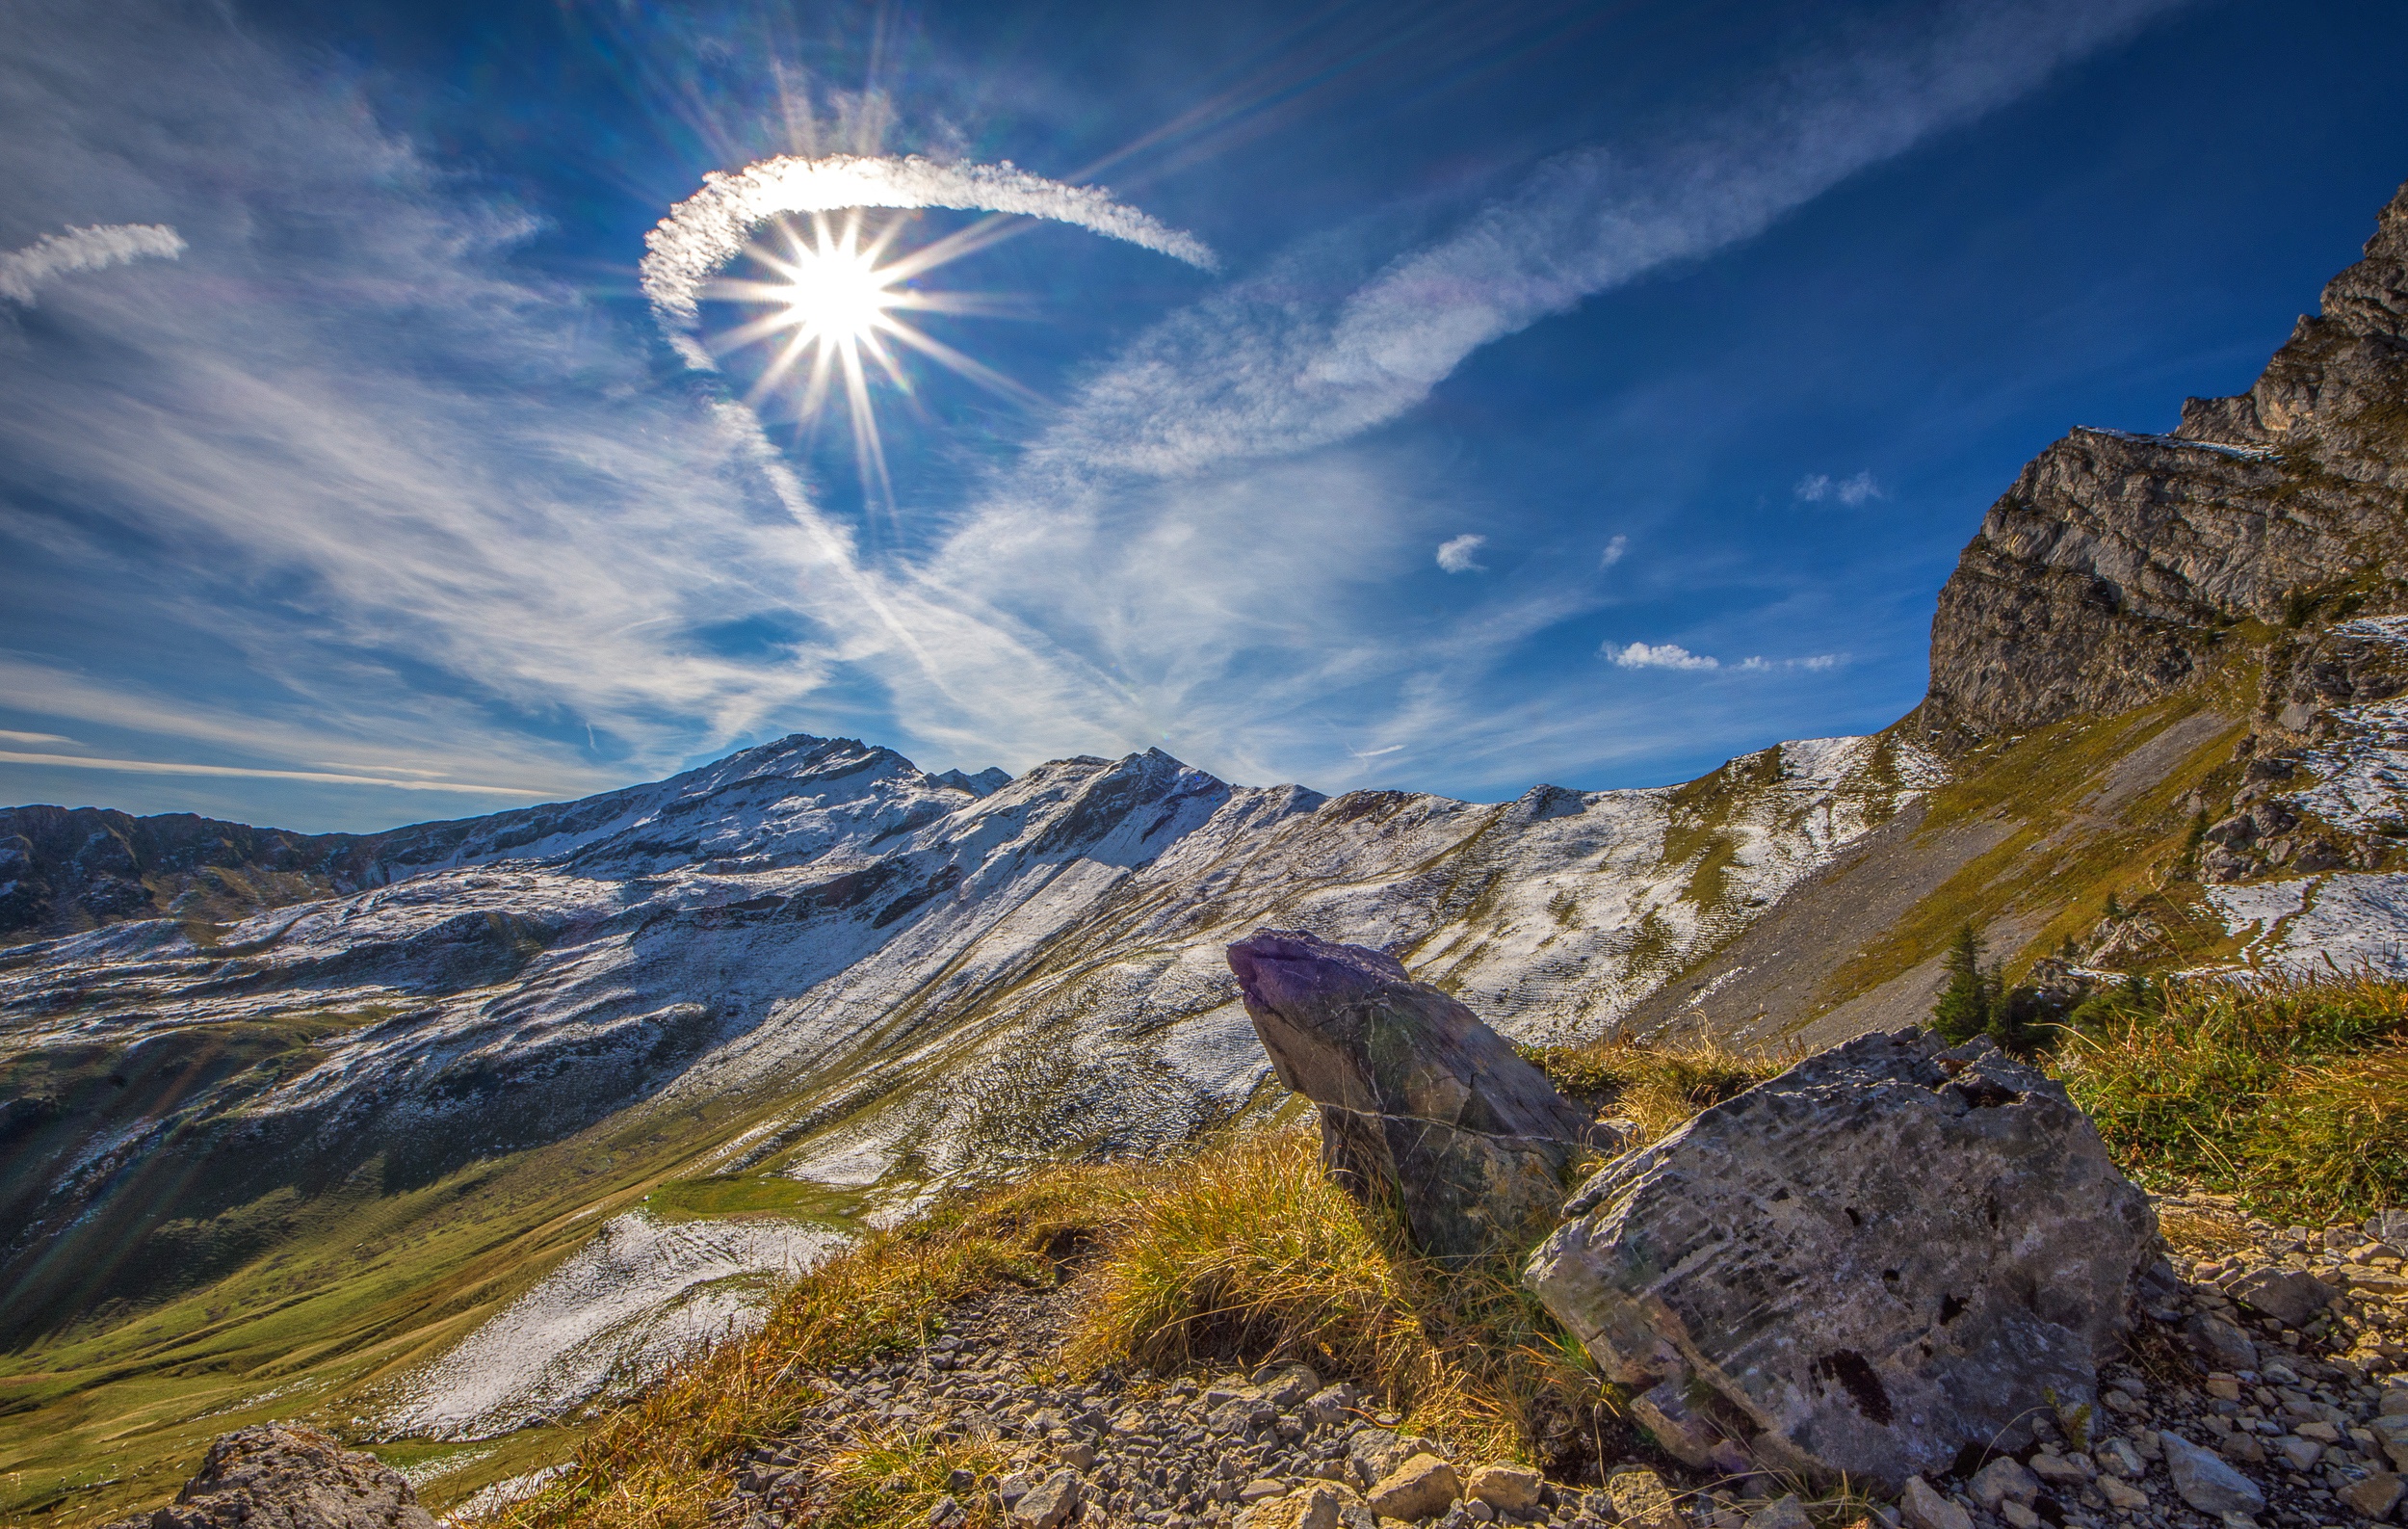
column 2028, row 841
column 358, row 1286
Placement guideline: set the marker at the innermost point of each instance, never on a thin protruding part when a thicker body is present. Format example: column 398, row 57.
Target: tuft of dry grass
column 1659, row 1085
column 1249, row 1251
column 2289, row 1093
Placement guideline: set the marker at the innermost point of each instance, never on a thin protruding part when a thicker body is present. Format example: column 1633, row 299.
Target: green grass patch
column 2288, row 1094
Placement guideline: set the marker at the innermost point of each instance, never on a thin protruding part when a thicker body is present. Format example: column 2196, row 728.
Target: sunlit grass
column 1656, row 1087
column 2289, row 1093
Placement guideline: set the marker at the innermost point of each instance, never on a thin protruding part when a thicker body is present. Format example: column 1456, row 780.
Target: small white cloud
column 1817, row 487
column 1673, row 655
column 1615, row 550
column 1658, row 655
column 7, row 736
column 1456, row 556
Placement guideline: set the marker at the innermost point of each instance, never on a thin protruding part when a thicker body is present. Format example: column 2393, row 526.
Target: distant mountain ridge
column 64, row 870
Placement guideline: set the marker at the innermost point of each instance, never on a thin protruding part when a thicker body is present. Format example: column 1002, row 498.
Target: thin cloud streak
column 162, row 767
column 24, row 273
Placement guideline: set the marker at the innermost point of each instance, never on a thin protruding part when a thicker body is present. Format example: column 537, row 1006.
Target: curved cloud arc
column 24, row 273
column 709, row 228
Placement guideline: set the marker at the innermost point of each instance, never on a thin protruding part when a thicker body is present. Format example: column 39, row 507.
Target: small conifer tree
column 1965, row 1005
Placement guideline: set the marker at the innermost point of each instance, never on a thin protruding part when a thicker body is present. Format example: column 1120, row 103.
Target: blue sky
column 1582, row 394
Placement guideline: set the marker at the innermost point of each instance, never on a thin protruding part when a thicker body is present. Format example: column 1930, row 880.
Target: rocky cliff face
column 2119, row 564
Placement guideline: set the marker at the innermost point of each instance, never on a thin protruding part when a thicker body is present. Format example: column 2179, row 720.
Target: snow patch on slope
column 613, row 1316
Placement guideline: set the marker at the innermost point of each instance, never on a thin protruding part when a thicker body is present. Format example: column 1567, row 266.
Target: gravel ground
column 2267, row 1388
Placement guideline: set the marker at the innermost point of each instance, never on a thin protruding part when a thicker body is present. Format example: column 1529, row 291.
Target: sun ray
column 834, row 294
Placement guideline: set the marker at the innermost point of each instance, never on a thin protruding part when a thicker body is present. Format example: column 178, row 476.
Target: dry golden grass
column 659, row 1462
column 1657, row 1086
column 1249, row 1253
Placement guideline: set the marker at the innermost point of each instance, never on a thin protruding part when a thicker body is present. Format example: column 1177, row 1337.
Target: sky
column 1451, row 397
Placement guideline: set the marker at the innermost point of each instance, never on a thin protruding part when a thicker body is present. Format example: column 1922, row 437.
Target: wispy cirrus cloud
column 709, row 228
column 170, row 767
column 489, row 535
column 24, row 273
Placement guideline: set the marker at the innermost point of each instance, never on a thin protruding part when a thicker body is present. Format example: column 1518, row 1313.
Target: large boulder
column 280, row 1477
column 1420, row 1103
column 1888, row 1252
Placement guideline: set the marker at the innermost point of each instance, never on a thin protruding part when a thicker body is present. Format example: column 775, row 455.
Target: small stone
column 1078, row 1457
column 1513, row 1488
column 1049, row 1504
column 2207, row 1482
column 1331, row 1404
column 1421, row 1488
column 2118, row 1457
column 2062, row 1470
column 1641, row 1501
column 1287, row 1386
column 2298, row 1453
column 1314, row 1508
column 1477, row 1510
column 2123, row 1494
column 2289, row 1296
column 2373, row 1495
column 1254, row 1491
column 2019, row 1516
column 2324, row 1433
column 2224, row 1388
column 2220, row 1343
column 1924, row 1509
column 2004, row 1479
column 1786, row 1513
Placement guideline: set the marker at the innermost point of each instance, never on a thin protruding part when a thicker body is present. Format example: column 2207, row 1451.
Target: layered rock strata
column 1888, row 1253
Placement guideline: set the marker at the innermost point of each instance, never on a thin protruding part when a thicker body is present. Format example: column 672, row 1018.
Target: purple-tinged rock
column 1419, row 1099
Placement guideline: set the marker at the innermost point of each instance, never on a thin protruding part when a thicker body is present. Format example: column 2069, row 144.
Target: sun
column 830, row 311
column 838, row 296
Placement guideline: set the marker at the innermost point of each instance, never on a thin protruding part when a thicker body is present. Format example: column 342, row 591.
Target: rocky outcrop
column 1420, row 1103
column 278, row 1477
column 1888, row 1252
column 2118, row 564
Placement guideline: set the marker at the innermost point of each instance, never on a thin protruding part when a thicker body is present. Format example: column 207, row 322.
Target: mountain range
column 440, row 1134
